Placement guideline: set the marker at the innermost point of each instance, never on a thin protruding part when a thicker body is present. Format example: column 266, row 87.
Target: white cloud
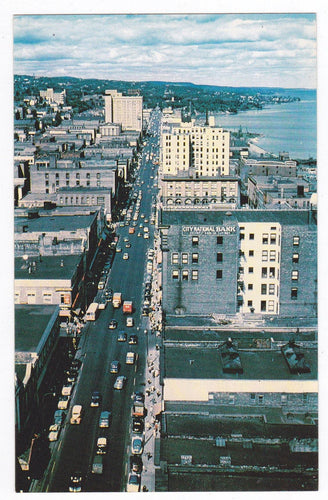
column 178, row 46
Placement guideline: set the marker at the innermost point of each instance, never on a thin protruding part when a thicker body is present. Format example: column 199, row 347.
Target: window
column 251, row 253
column 98, row 176
column 253, row 398
column 273, row 238
column 67, row 175
column 263, row 289
column 195, row 241
column 272, row 255
column 250, row 270
column 284, row 399
column 251, row 236
column 264, row 272
column 261, row 399
column 175, row 275
column 87, row 176
column 175, row 258
column 67, row 183
column 219, row 240
column 272, row 272
column 185, row 275
column 293, row 294
column 194, row 258
column 194, row 274
column 264, row 255
column 271, row 305
column 249, row 303
column 250, row 286
column 296, row 241
column 77, row 175
column 271, row 289
column 263, row 305
column 184, row 258
column 265, row 238
column 241, row 270
column 294, row 275
column 219, row 274
column 47, row 298
column 241, row 236
column 231, row 399
column 219, row 257
column 295, row 258
column 47, row 183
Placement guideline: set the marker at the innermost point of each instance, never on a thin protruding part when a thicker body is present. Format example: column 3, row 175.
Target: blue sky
column 226, row 49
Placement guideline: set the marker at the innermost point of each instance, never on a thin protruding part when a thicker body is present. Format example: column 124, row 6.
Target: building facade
column 202, row 149
column 123, row 110
column 239, row 262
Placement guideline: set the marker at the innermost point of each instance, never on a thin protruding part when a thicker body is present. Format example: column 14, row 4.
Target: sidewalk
column 153, row 391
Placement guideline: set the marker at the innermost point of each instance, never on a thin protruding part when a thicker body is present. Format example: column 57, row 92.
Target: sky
column 267, row 50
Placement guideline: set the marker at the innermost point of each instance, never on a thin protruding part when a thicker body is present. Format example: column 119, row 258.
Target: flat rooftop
column 50, row 267
column 54, row 223
column 30, row 324
column 194, row 217
column 205, row 363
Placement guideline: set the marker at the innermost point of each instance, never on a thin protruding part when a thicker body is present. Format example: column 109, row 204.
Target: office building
column 123, row 110
column 240, row 261
column 187, row 147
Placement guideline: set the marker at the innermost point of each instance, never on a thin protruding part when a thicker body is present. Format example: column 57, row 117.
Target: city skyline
column 264, row 50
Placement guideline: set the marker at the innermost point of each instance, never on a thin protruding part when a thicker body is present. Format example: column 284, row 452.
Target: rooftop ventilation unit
column 230, row 358
column 295, row 358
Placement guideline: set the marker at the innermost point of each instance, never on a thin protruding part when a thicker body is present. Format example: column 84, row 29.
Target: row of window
column 77, row 183
column 77, row 175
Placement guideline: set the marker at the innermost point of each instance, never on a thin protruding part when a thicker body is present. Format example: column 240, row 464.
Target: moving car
column 133, row 339
column 76, row 414
column 125, row 256
column 115, row 367
column 101, row 446
column 75, row 484
column 129, row 321
column 104, row 419
column 97, row 465
column 120, row 382
column 113, row 324
column 95, row 399
column 137, row 445
column 122, row 336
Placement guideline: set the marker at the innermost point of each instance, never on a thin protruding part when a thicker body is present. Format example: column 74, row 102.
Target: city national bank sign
column 217, row 230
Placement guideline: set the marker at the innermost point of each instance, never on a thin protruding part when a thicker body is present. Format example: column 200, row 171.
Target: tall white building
column 50, row 96
column 124, row 110
column 203, row 149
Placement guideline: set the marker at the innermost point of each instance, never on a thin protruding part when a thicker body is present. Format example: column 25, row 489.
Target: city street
column 76, row 448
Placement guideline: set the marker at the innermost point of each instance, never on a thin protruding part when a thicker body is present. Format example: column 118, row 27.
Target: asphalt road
column 75, row 449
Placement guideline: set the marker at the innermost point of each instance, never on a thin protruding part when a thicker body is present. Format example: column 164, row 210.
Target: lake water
column 290, row 127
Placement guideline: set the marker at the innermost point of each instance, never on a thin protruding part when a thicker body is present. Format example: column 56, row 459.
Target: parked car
column 125, row 256
column 138, row 425
column 72, row 375
column 120, row 382
column 137, row 445
column 59, row 416
column 136, row 464
column 133, row 485
column 54, row 431
column 67, row 389
column 104, row 419
column 63, row 402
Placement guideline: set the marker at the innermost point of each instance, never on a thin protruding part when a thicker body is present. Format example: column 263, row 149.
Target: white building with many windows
column 186, row 147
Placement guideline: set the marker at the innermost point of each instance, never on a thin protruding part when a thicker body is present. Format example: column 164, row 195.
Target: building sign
column 221, row 230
